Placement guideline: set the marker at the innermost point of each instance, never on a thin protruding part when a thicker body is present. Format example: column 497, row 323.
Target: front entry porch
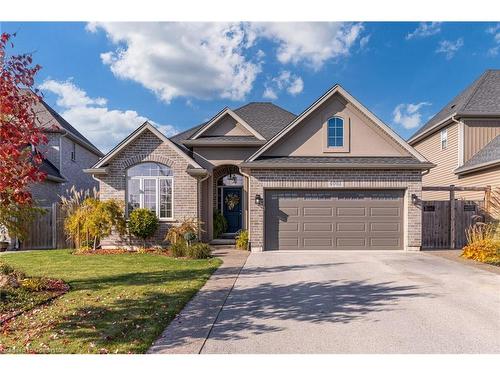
column 229, row 200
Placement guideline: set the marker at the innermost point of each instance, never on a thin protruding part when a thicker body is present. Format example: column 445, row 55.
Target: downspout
column 460, row 141
column 200, row 180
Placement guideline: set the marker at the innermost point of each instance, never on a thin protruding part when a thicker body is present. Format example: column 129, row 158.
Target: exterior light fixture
column 258, row 200
column 414, row 199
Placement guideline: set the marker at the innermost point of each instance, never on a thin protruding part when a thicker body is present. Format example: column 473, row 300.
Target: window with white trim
column 151, row 185
column 335, row 132
column 444, row 139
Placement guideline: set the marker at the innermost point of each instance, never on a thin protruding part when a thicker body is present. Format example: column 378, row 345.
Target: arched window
column 151, row 185
column 336, row 132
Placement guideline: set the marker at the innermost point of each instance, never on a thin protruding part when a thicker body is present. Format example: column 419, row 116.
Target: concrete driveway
column 358, row 302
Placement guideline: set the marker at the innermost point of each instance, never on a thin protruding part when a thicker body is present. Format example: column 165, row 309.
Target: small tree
column 19, row 137
column 142, row 223
column 93, row 220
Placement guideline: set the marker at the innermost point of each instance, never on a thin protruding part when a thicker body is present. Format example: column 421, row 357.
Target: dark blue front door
column 231, row 208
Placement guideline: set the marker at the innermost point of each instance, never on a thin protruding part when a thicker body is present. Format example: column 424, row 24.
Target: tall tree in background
column 19, row 136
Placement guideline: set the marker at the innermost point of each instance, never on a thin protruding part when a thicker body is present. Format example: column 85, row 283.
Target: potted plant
column 4, row 244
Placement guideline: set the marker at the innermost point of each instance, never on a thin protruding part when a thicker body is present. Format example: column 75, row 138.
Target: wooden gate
column 444, row 222
column 437, row 227
column 46, row 231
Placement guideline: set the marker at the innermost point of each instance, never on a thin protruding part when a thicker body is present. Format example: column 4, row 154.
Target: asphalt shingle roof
column 49, row 120
column 265, row 117
column 50, row 168
column 488, row 154
column 225, row 139
column 368, row 161
column 481, row 97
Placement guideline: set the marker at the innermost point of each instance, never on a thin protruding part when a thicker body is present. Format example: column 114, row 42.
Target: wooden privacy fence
column 46, row 231
column 444, row 222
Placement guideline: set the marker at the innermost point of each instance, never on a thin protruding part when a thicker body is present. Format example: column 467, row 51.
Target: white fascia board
column 227, row 111
column 115, row 151
column 338, row 89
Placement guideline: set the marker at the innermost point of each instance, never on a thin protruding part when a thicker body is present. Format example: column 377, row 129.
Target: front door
column 232, row 208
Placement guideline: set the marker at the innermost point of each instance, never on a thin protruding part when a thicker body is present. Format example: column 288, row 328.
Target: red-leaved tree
column 19, row 134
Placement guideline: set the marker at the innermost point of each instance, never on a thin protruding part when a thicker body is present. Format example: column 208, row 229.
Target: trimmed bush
column 199, row 251
column 178, row 249
column 142, row 223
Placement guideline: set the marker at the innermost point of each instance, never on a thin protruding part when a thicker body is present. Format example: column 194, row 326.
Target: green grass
column 117, row 303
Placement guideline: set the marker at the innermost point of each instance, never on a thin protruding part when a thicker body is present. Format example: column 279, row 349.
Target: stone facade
column 410, row 181
column 148, row 147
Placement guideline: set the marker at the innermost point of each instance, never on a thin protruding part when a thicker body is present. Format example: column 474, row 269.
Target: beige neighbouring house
column 463, row 140
column 332, row 178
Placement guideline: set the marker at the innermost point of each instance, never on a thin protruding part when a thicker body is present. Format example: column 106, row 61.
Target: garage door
column 334, row 220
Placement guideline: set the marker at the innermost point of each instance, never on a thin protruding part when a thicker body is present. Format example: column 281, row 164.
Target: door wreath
column 232, row 201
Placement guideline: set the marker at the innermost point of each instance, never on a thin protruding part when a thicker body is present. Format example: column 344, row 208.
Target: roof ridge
column 264, row 102
column 479, row 84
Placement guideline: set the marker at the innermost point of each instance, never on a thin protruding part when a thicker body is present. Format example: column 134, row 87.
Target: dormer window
column 335, row 132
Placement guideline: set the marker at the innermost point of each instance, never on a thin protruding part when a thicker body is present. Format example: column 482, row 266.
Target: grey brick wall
column 73, row 170
column 148, row 147
column 411, row 181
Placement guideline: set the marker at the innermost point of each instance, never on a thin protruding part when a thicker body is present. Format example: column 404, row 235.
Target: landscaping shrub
column 178, row 232
column 142, row 223
column 482, row 250
column 33, row 284
column 199, row 251
column 178, row 249
column 93, row 220
column 242, row 240
column 220, row 224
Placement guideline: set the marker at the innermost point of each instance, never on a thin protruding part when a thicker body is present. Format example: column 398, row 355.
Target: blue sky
column 106, row 78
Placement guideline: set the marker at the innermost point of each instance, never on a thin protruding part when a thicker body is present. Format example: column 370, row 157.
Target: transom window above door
column 231, row 180
column 150, row 185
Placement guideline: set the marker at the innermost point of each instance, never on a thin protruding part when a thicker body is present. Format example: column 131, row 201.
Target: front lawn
column 117, row 303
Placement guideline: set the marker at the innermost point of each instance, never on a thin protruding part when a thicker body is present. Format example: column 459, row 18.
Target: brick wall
column 148, row 147
column 411, row 181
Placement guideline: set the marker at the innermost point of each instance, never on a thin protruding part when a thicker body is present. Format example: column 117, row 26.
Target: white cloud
column 217, row 60
column 408, row 115
column 364, row 41
column 286, row 80
column 449, row 48
column 311, row 42
column 425, row 29
column 495, row 31
column 189, row 59
column 493, row 51
column 104, row 127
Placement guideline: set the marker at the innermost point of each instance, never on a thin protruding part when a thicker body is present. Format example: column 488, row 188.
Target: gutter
column 433, row 128
column 271, row 165
column 477, row 167
column 55, row 178
column 98, row 171
column 197, row 142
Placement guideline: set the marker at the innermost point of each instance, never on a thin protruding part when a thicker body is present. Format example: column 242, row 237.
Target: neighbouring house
column 463, row 140
column 66, row 154
column 332, row 178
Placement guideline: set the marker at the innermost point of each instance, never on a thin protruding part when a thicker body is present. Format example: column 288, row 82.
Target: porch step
column 223, row 241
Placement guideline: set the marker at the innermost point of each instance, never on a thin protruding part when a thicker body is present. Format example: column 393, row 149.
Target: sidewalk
column 187, row 333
